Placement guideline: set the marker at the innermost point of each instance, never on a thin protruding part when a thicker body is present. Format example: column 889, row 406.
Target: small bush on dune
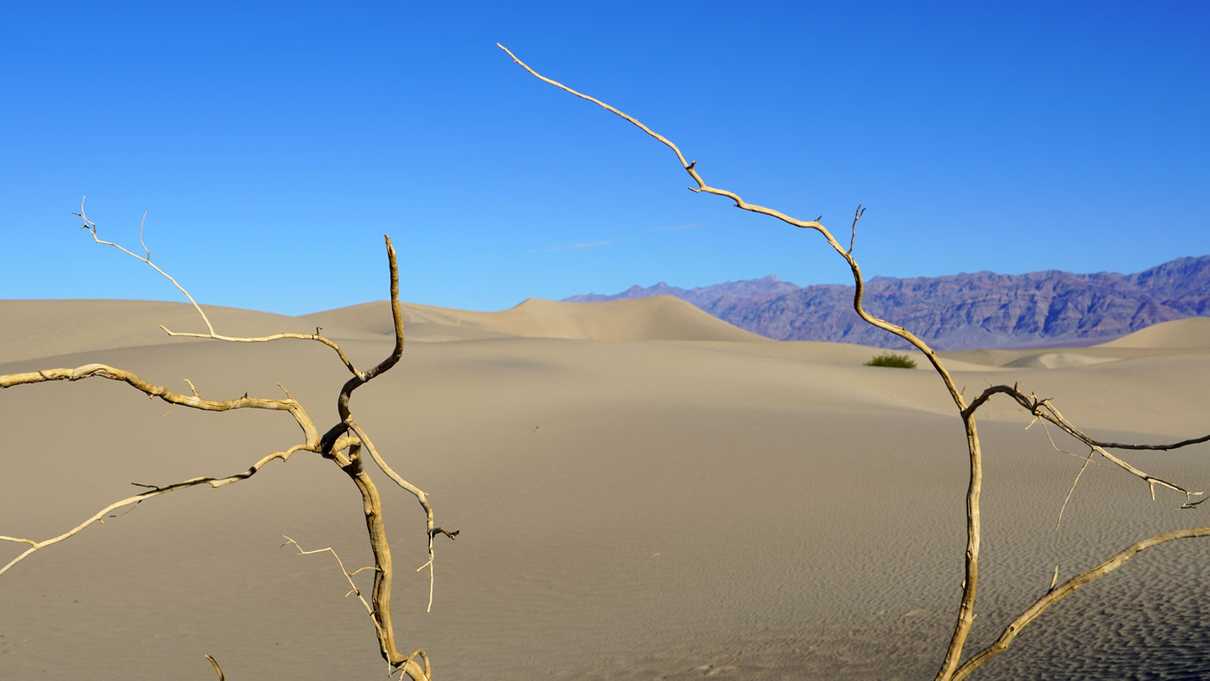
column 890, row 359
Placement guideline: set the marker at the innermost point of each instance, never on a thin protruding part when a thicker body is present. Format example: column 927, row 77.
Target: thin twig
column 142, row 221
column 39, row 544
column 857, row 215
column 91, row 226
column 354, row 589
column 1072, row 490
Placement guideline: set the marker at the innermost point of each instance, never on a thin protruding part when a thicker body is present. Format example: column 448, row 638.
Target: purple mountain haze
column 959, row 311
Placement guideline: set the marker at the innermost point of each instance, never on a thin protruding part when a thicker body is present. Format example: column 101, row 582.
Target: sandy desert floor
column 644, row 492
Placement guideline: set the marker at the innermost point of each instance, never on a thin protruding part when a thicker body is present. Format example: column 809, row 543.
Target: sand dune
column 1058, row 360
column 44, row 328
column 1193, row 333
column 654, row 318
column 655, row 508
column 423, row 322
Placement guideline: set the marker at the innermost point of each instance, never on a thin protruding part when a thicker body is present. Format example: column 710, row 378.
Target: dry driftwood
column 952, row 666
column 343, row 444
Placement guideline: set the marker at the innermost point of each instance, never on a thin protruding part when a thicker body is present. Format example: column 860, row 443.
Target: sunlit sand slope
column 1177, row 334
column 655, row 318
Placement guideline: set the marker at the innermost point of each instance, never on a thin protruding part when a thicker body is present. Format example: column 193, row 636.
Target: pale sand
column 654, row 318
column 1179, row 334
column 707, row 505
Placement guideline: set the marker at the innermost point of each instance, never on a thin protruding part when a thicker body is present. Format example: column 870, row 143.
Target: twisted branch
column 431, row 529
column 337, row 444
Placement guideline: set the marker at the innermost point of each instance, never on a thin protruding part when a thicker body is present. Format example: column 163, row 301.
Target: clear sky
column 273, row 146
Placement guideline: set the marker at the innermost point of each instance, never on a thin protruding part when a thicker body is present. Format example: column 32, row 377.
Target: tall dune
column 654, row 318
column 1179, row 334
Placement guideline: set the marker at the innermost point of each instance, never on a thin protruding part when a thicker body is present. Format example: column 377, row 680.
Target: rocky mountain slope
column 968, row 310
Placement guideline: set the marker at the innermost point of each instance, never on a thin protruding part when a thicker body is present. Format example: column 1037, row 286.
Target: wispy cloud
column 577, row 246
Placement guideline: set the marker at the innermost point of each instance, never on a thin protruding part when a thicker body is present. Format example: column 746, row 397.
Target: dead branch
column 965, row 616
column 431, row 530
column 857, row 215
column 1041, row 408
column 38, row 544
column 342, row 443
column 218, row 670
column 970, row 581
column 152, row 390
column 1045, row 410
column 88, row 224
column 1056, row 594
column 354, row 590
column 1072, row 490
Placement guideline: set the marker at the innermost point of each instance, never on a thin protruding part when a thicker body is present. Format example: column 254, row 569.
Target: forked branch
column 354, row 590
column 1045, row 410
column 88, row 224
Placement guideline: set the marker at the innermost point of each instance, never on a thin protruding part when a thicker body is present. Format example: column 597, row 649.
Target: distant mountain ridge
column 960, row 311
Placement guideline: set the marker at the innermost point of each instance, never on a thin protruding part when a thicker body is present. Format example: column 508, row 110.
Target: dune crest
column 1058, row 360
column 1179, row 334
column 654, row 318
column 46, row 328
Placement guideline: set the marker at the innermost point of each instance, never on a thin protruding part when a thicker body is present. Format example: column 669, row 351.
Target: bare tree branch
column 91, row 226
column 88, row 224
column 1072, row 490
column 431, row 530
column 965, row 615
column 152, row 390
column 1165, row 447
column 966, row 612
column 1054, row 595
column 857, row 215
column 218, row 670
column 142, row 223
column 1045, row 410
column 337, row 444
column 354, row 590
column 39, row 544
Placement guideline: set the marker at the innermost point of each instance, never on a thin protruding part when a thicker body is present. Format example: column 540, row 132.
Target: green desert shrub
column 890, row 359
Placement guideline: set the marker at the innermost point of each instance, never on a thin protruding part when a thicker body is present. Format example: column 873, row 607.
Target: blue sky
column 273, row 146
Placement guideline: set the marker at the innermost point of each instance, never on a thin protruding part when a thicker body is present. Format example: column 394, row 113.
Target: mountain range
column 959, row 311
